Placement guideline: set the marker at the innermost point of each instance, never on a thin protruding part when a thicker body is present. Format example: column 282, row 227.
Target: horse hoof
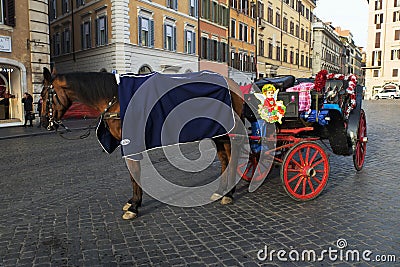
column 129, row 215
column 226, row 200
column 215, row 197
column 126, row 206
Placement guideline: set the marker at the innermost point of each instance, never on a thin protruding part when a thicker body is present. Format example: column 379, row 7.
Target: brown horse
column 99, row 90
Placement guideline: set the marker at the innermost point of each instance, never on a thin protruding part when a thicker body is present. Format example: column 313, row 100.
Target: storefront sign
column 5, row 44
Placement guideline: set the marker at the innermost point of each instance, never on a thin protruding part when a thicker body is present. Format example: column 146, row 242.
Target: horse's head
column 55, row 99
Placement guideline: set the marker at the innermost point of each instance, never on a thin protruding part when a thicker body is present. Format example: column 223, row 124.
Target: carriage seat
column 281, row 83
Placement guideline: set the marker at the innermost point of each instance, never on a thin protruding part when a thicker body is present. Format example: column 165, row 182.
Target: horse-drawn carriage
column 328, row 108
column 290, row 131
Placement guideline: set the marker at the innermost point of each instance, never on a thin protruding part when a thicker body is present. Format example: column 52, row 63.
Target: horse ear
column 54, row 71
column 46, row 74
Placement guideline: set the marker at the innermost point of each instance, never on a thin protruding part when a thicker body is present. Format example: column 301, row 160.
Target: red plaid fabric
column 304, row 95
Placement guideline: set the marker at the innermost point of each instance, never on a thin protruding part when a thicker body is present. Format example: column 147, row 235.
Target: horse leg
column 228, row 173
column 131, row 207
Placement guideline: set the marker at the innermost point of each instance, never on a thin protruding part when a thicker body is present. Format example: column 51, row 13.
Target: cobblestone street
column 61, row 205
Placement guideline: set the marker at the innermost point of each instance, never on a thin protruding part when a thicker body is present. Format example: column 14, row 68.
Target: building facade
column 242, row 40
column 285, row 38
column 383, row 50
column 24, row 51
column 124, row 36
column 328, row 50
column 213, row 35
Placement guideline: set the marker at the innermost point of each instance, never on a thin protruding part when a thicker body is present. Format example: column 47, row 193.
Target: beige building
column 285, row 38
column 24, row 51
column 124, row 36
column 383, row 47
column 328, row 50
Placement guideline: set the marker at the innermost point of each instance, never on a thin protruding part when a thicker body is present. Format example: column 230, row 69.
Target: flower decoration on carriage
column 323, row 75
column 270, row 109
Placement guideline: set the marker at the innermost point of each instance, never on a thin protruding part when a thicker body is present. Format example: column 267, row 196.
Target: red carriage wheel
column 251, row 170
column 361, row 144
column 305, row 171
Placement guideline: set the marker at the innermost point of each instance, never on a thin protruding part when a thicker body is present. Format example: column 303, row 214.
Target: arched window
column 144, row 69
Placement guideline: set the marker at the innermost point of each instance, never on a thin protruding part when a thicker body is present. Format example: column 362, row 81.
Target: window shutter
column 208, row 49
column 90, row 34
column 106, row 29
column 185, row 41
column 193, row 43
column 151, row 34
column 139, row 30
column 10, row 13
column 165, row 36
column 174, row 39
column 175, row 4
column 97, row 32
column 82, row 39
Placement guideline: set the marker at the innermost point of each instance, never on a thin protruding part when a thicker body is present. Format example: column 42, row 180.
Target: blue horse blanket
column 165, row 109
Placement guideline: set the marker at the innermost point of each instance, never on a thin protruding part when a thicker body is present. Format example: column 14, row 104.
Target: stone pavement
column 60, row 205
column 20, row 131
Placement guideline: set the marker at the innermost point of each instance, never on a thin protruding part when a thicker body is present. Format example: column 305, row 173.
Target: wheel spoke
column 297, row 185
column 317, row 163
column 318, row 181
column 307, row 154
column 304, row 187
column 301, row 157
column 295, row 162
column 310, row 184
column 313, row 157
column 294, row 178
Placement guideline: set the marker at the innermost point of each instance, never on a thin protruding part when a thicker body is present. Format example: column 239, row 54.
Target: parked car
column 387, row 93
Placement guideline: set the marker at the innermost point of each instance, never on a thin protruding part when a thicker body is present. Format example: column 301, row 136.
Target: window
column 169, row 37
column 172, row 4
column 270, row 15
column 214, row 12
column 302, row 33
column 377, row 40
column 376, row 58
column 376, row 73
column 52, row 9
column 56, row 42
column 144, row 69
column 270, row 50
column 193, row 8
column 261, row 47
column 233, row 28
column 395, row 54
column 204, row 47
column 224, row 16
column 86, row 35
column 80, row 3
column 190, row 42
column 396, row 3
column 7, row 13
column 65, row 6
column 278, row 20
column 66, row 42
column 285, row 24
column 291, row 58
column 291, row 28
column 245, row 32
column 297, row 30
column 278, row 53
column 285, row 58
column 240, row 31
column 252, row 35
column 146, row 32
column 396, row 17
column 101, row 31
column 397, row 35
column 378, row 4
column 302, row 60
column 395, row 72
column 297, row 58
column 205, row 9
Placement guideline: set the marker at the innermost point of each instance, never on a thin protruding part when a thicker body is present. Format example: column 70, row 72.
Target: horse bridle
column 51, row 94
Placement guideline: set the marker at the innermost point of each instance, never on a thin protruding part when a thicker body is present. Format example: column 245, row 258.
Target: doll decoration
column 271, row 110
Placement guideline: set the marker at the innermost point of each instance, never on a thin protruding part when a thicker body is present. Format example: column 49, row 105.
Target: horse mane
column 90, row 87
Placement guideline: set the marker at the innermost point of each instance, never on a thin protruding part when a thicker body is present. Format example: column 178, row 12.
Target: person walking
column 28, row 101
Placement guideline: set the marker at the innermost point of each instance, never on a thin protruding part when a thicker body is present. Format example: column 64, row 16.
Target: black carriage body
column 340, row 132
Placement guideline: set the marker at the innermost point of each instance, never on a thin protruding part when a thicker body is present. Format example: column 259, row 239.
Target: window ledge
column 6, row 28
